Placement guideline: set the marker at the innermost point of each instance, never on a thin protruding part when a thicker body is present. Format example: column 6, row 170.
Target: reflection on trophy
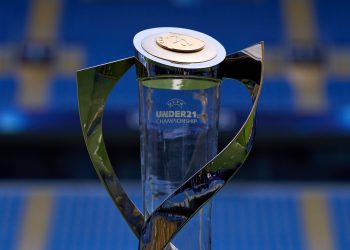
column 179, row 73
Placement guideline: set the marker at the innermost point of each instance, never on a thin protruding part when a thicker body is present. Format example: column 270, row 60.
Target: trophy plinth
column 179, row 73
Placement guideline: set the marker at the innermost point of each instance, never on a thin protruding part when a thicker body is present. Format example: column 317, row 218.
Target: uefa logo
column 175, row 102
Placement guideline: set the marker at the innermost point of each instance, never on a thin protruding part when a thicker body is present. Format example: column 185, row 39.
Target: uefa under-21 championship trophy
column 179, row 73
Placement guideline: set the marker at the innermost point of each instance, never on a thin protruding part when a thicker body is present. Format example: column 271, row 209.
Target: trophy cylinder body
column 179, row 130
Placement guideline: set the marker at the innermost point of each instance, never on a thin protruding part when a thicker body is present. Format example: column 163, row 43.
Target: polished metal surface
column 94, row 86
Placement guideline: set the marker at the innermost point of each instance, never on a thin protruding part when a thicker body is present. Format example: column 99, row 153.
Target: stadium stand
column 270, row 217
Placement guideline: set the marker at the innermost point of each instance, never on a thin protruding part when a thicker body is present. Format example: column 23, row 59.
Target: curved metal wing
column 94, row 86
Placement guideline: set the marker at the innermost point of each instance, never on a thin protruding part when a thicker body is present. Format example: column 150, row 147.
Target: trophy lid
column 178, row 47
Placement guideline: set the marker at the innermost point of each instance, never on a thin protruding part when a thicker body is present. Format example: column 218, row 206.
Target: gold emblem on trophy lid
column 179, row 46
column 179, row 42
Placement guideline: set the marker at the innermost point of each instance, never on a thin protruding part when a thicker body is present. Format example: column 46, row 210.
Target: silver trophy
column 179, row 73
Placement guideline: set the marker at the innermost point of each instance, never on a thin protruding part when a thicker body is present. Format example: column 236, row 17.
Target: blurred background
column 293, row 190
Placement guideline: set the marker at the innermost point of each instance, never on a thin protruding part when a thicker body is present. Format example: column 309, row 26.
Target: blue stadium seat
column 340, row 217
column 333, row 21
column 338, row 91
column 63, row 95
column 11, row 214
column 88, row 221
column 277, row 96
column 257, row 221
column 13, row 20
column 7, row 91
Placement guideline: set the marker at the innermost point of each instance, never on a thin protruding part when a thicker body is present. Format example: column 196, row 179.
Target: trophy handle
column 247, row 67
column 94, row 86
